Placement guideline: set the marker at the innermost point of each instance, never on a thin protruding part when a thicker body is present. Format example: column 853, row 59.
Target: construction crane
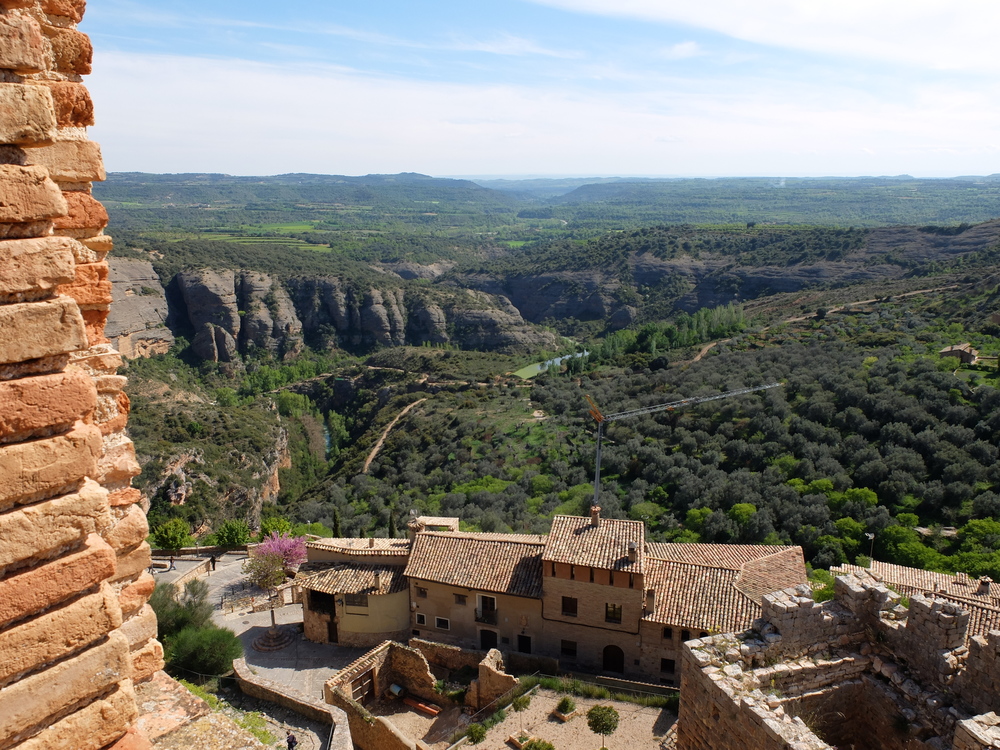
column 602, row 418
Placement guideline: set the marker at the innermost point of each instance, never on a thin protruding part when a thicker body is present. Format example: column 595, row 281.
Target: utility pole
column 600, row 418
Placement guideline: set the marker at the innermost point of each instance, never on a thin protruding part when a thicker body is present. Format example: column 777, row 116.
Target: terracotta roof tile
column 361, row 546
column 775, row 572
column 501, row 563
column 731, row 556
column 574, row 539
column 698, row 597
column 914, row 580
column 351, row 578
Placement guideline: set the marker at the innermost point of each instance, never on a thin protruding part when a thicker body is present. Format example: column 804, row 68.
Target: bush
column 476, row 733
column 566, row 705
column 232, row 533
column 174, row 614
column 602, row 720
column 172, row 534
column 206, row 651
column 539, row 745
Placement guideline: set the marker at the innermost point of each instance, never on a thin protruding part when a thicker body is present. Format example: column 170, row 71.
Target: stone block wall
column 860, row 668
column 76, row 633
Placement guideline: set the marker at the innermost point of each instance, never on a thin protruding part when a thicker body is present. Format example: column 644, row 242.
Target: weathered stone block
column 93, row 726
column 12, row 4
column 27, row 115
column 101, row 243
column 124, row 496
column 118, row 464
column 94, row 322
column 70, row 161
column 28, row 703
column 129, row 531
column 136, row 594
column 40, row 468
column 133, row 562
column 39, row 588
column 90, row 287
column 147, row 661
column 43, row 639
column 29, row 330
column 140, row 628
column 98, row 359
column 112, row 412
column 27, row 194
column 35, row 267
column 22, row 46
column 84, row 212
column 72, row 9
column 133, row 739
column 44, row 404
column 71, row 49
column 35, row 531
column 73, row 106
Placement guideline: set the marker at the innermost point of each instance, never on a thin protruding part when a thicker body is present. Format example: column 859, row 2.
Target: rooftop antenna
column 601, row 418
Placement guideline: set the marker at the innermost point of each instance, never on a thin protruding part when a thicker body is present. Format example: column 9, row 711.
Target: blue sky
column 548, row 87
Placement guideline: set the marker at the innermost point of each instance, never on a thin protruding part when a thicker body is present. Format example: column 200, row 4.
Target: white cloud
column 178, row 114
column 682, row 51
column 935, row 34
column 507, row 44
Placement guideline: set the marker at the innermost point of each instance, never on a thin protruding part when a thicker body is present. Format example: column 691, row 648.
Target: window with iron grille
column 356, row 600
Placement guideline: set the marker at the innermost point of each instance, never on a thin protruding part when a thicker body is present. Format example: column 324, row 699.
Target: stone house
column 964, row 352
column 592, row 594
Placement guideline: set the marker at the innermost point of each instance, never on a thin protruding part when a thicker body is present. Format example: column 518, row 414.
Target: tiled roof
column 698, row 597
column 775, row 572
column 574, row 539
column 351, row 578
column 448, row 521
column 717, row 587
column 361, row 546
column 915, row 580
column 731, row 556
column 500, row 563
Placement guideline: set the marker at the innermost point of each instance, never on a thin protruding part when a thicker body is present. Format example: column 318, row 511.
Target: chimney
column 378, row 581
column 984, row 586
column 595, row 515
column 632, row 553
column 371, row 541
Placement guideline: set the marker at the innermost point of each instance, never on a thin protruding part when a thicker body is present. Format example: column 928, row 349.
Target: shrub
column 537, row 744
column 232, row 533
column 206, row 651
column 172, row 534
column 602, row 720
column 173, row 614
column 476, row 733
column 566, row 705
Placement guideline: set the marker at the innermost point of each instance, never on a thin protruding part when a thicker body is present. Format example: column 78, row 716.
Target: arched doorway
column 614, row 659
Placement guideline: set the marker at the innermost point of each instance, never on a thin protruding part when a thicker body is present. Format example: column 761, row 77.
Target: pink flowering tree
column 291, row 549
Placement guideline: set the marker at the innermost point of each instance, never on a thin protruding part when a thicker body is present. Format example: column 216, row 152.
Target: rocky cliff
column 233, row 313
column 137, row 321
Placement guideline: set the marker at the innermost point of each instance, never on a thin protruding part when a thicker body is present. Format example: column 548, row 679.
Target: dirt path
column 385, row 434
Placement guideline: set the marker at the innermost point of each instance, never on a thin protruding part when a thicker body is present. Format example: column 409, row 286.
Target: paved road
column 302, row 665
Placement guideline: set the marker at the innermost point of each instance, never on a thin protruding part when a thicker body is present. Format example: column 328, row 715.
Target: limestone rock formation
column 137, row 321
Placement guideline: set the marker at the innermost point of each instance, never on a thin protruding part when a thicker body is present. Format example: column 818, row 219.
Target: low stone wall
column 450, row 657
column 258, row 687
column 189, row 575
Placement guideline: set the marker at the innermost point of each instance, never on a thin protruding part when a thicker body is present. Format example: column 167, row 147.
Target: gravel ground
column 639, row 728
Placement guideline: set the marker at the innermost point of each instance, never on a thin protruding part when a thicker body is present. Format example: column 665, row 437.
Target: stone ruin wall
column 76, row 632
column 860, row 670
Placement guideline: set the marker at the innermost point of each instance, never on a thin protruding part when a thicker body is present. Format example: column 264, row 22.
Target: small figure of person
column 212, row 561
column 172, row 566
column 292, row 742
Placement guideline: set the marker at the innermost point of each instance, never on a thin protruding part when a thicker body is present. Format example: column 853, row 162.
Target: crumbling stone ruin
column 861, row 671
column 76, row 632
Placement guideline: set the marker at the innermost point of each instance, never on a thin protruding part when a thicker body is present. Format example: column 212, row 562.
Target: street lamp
column 871, row 550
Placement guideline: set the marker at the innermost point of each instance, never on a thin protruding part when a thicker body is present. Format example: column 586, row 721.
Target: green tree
column 205, row 651
column 520, row 704
column 602, row 720
column 172, row 535
column 232, row 533
column 274, row 524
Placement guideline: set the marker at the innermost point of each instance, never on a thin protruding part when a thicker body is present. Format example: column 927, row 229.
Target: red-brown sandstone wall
column 76, row 632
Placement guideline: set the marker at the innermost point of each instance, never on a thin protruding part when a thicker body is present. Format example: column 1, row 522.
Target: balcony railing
column 488, row 616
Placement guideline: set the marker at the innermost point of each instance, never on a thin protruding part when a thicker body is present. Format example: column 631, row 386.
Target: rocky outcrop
column 137, row 321
column 269, row 319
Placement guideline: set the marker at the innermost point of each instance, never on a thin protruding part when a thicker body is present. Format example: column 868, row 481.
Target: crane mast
column 600, row 418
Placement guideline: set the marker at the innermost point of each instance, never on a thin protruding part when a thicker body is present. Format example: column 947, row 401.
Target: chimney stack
column 632, row 553
column 378, row 581
column 984, row 586
column 371, row 541
column 595, row 515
